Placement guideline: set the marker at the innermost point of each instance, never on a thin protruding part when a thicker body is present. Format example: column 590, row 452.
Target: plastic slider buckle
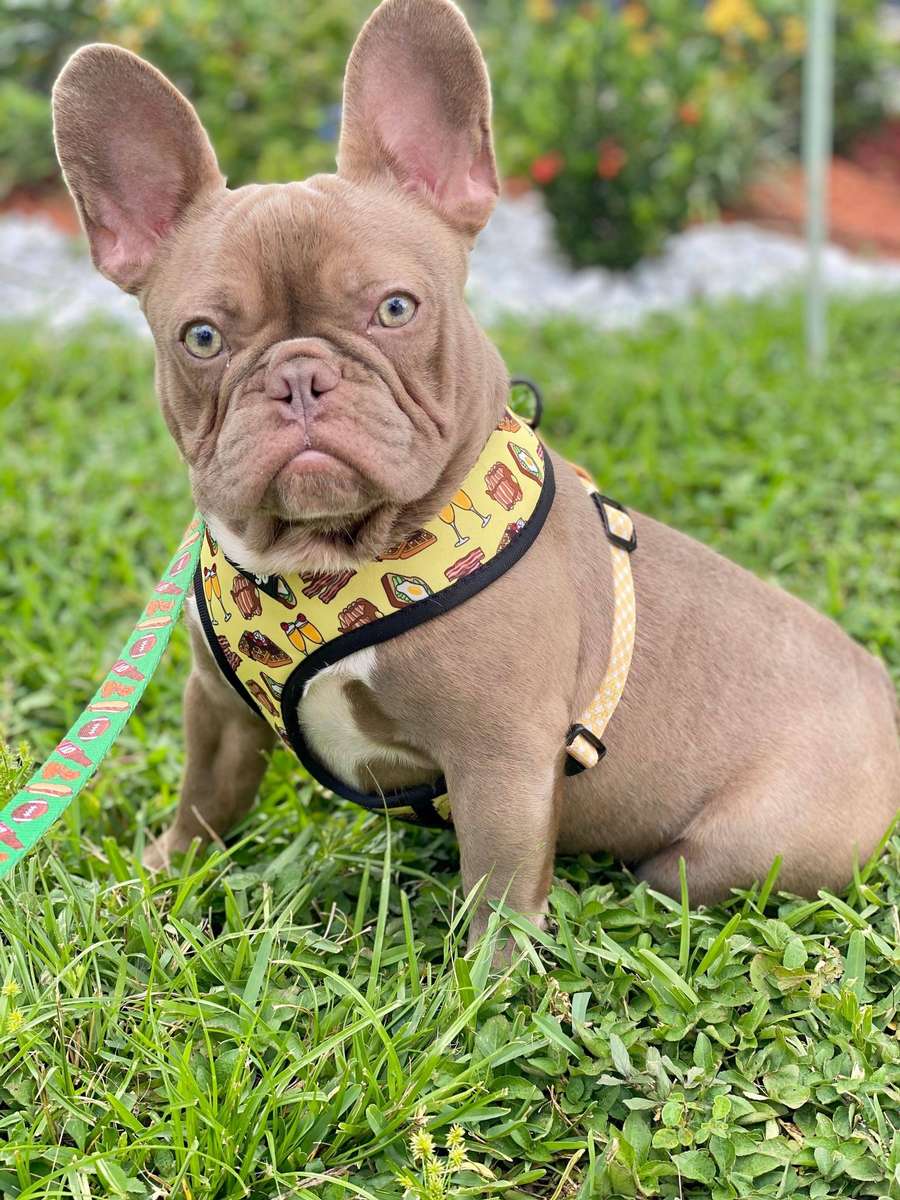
column 628, row 544
column 573, row 766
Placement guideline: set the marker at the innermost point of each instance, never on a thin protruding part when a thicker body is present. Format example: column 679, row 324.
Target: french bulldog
column 318, row 430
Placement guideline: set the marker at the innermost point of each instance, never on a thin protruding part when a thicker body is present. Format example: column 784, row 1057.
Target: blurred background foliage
column 266, row 78
column 635, row 121
column 632, row 118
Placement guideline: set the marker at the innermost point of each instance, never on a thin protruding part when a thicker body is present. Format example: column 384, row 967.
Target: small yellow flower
column 634, row 16
column 10, row 989
column 456, row 1137
column 14, row 1020
column 434, row 1175
column 720, row 16
column 755, row 26
column 541, row 10
column 456, row 1157
column 730, row 18
column 640, row 44
column 422, row 1146
column 149, row 18
column 794, row 32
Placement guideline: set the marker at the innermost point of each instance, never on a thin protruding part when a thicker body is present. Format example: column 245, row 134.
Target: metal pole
column 817, row 133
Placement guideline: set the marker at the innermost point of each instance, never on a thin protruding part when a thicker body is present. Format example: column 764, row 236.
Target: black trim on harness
column 421, row 797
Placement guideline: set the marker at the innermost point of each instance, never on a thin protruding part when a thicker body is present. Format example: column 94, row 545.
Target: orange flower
column 689, row 113
column 611, row 159
column 634, row 16
column 546, row 168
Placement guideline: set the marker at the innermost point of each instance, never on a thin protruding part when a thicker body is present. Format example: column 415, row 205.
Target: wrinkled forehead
column 324, row 245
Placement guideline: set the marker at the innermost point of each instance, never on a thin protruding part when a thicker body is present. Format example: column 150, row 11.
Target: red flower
column 611, row 159
column 689, row 113
column 546, row 168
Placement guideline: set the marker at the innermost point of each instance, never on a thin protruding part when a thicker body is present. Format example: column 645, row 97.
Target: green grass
column 295, row 1016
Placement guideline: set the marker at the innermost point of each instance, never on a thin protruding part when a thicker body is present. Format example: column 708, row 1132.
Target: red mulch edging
column 54, row 205
column 864, row 200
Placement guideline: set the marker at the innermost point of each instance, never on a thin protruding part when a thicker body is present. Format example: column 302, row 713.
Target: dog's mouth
column 316, row 485
column 311, row 463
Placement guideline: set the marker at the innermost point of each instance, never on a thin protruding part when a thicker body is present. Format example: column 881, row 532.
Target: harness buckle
column 573, row 766
column 627, row 544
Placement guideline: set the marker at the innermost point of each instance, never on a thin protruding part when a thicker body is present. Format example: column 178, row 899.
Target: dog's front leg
column 506, row 815
column 226, row 759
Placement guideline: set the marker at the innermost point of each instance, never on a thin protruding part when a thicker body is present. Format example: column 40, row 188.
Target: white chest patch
column 331, row 730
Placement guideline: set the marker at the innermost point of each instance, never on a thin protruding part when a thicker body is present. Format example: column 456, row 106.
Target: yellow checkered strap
column 584, row 744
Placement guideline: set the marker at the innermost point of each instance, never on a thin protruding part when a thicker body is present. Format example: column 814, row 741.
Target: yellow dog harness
column 272, row 634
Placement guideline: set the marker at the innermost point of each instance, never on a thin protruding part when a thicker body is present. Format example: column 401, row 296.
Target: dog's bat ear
column 134, row 156
column 417, row 107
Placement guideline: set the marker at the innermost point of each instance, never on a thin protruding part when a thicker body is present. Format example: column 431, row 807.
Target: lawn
column 295, row 1016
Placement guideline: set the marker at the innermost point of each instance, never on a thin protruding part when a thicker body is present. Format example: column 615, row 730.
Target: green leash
column 53, row 787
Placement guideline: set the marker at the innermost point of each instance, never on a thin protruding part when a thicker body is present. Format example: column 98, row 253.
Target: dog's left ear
column 134, row 155
column 417, row 107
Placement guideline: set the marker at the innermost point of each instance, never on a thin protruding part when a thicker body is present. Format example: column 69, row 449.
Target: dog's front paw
column 505, row 950
column 158, row 855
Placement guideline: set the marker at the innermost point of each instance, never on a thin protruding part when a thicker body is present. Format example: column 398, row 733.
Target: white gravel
column 515, row 268
column 45, row 273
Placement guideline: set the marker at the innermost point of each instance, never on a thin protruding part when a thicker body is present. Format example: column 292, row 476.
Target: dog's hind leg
column 735, row 838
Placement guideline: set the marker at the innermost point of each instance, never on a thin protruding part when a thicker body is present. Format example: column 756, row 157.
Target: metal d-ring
column 521, row 381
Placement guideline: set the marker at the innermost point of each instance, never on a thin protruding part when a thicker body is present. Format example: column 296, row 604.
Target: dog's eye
column 202, row 340
column 394, row 311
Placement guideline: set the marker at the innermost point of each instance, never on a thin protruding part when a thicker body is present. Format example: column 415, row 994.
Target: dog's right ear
column 417, row 108
column 134, row 156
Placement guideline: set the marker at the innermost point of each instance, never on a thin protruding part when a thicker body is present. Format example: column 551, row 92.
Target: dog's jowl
column 399, row 579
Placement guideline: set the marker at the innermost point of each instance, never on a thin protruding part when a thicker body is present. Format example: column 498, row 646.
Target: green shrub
column 266, row 78
column 26, row 141
column 637, row 120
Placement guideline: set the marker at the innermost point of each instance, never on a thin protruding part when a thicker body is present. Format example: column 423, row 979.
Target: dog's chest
column 346, row 730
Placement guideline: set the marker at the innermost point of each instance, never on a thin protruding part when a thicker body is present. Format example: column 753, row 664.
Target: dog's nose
column 301, row 379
